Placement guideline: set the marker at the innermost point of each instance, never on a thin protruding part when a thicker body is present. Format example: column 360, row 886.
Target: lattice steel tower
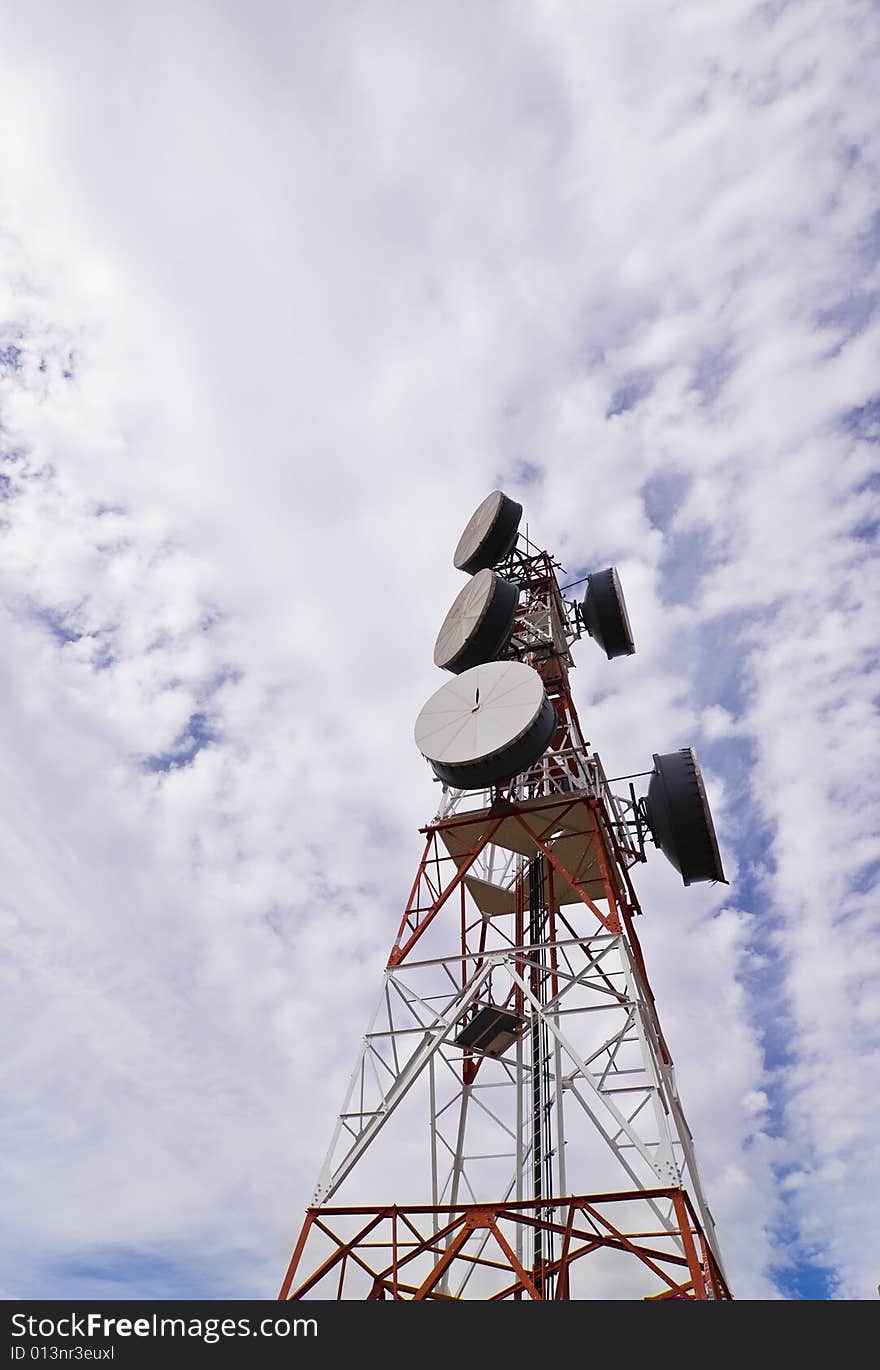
column 512, row 1127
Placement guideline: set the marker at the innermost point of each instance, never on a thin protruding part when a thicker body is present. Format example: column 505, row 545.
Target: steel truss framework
column 531, row 884
column 436, row 1253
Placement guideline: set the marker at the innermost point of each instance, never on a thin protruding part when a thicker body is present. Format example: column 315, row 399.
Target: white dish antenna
column 486, row 725
column 490, row 534
column 479, row 624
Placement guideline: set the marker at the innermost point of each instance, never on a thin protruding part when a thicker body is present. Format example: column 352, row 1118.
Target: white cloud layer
column 286, row 292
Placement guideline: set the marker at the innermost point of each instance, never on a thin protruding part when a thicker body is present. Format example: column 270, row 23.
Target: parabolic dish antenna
column 478, row 626
column 679, row 817
column 485, row 725
column 490, row 534
column 603, row 613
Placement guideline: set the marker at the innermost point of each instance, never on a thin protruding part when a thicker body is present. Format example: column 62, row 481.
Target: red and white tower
column 512, row 1128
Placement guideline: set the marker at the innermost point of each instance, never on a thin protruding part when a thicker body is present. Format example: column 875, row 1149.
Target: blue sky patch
column 662, row 495
column 57, row 623
column 686, row 559
column 806, row 1280
column 198, row 734
column 863, row 422
column 713, row 367
column 628, row 394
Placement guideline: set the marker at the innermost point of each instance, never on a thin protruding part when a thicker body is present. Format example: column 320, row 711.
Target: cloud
column 284, row 299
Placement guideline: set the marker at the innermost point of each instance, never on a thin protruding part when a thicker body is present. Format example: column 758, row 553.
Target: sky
column 285, row 290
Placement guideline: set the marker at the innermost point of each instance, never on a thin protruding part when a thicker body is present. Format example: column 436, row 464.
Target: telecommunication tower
column 512, row 1127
